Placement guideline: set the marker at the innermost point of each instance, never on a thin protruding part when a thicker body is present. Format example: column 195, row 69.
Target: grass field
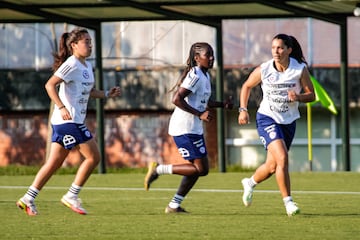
column 119, row 208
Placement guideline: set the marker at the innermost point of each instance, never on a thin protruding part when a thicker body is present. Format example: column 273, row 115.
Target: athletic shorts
column 269, row 130
column 191, row 146
column 70, row 134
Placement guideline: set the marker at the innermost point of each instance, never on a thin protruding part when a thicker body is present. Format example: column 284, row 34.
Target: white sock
column 252, row 182
column 164, row 169
column 74, row 190
column 287, row 199
column 176, row 201
column 31, row 194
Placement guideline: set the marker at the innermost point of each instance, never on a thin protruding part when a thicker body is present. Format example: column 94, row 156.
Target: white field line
column 193, row 190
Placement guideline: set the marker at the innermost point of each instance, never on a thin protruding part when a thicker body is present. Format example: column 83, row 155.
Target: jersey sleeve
column 190, row 81
column 65, row 70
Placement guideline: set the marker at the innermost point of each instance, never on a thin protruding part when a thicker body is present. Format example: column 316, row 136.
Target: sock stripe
column 32, row 193
column 74, row 189
column 177, row 199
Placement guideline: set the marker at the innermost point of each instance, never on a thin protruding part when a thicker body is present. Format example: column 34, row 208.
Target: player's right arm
column 51, row 89
column 253, row 80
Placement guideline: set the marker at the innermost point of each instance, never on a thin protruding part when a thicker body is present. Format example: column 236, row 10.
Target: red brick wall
column 130, row 140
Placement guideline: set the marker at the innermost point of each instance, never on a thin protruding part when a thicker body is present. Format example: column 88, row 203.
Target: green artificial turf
column 119, row 208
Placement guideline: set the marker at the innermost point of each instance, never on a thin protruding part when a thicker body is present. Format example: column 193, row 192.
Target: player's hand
column 65, row 114
column 243, row 118
column 229, row 103
column 206, row 116
column 292, row 96
column 114, row 92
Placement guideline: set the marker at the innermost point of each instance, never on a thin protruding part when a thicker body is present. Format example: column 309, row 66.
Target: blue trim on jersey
column 70, row 135
column 191, row 146
column 269, row 130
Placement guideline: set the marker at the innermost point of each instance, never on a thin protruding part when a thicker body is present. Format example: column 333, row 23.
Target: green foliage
column 17, row 170
column 119, row 208
column 14, row 170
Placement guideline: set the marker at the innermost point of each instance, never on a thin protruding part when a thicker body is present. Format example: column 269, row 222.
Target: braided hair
column 195, row 50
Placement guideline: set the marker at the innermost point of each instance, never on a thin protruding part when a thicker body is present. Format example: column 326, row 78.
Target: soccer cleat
column 248, row 191
column 27, row 206
column 175, row 210
column 292, row 208
column 74, row 204
column 151, row 175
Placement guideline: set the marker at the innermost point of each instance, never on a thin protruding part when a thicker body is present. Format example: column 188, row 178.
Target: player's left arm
column 308, row 94
column 227, row 104
column 112, row 92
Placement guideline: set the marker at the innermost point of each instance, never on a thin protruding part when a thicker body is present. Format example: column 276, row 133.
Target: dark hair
column 195, row 49
column 291, row 42
column 65, row 49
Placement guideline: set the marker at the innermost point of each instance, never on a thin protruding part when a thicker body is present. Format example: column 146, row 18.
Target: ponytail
column 297, row 51
column 291, row 42
column 63, row 53
column 65, row 49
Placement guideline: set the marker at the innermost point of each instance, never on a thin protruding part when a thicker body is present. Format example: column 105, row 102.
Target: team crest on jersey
column 68, row 139
column 271, row 78
column 85, row 74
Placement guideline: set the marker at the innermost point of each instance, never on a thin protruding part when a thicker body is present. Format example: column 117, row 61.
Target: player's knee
column 272, row 168
column 95, row 159
column 282, row 163
column 201, row 171
column 204, row 172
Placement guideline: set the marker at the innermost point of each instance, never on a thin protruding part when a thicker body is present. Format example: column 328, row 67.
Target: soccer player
column 285, row 81
column 74, row 75
column 192, row 99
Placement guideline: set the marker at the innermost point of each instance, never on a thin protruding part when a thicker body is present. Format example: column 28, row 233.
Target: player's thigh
column 277, row 152
column 90, row 150
column 57, row 154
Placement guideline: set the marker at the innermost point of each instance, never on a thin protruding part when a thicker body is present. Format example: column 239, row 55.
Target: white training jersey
column 75, row 90
column 275, row 86
column 182, row 122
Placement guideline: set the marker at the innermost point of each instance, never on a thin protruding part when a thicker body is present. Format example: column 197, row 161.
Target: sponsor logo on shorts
column 263, row 140
column 198, row 143
column 272, row 135
column 184, row 152
column 271, row 131
column 68, row 139
column 84, row 129
column 87, row 133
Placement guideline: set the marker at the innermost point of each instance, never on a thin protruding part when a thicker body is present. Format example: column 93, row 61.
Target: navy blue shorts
column 70, row 134
column 191, row 146
column 269, row 130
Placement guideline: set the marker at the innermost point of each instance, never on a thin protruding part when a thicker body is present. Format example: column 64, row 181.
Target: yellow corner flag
column 325, row 100
column 322, row 96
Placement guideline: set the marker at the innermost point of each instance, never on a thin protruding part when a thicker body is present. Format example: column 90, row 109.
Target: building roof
column 89, row 13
